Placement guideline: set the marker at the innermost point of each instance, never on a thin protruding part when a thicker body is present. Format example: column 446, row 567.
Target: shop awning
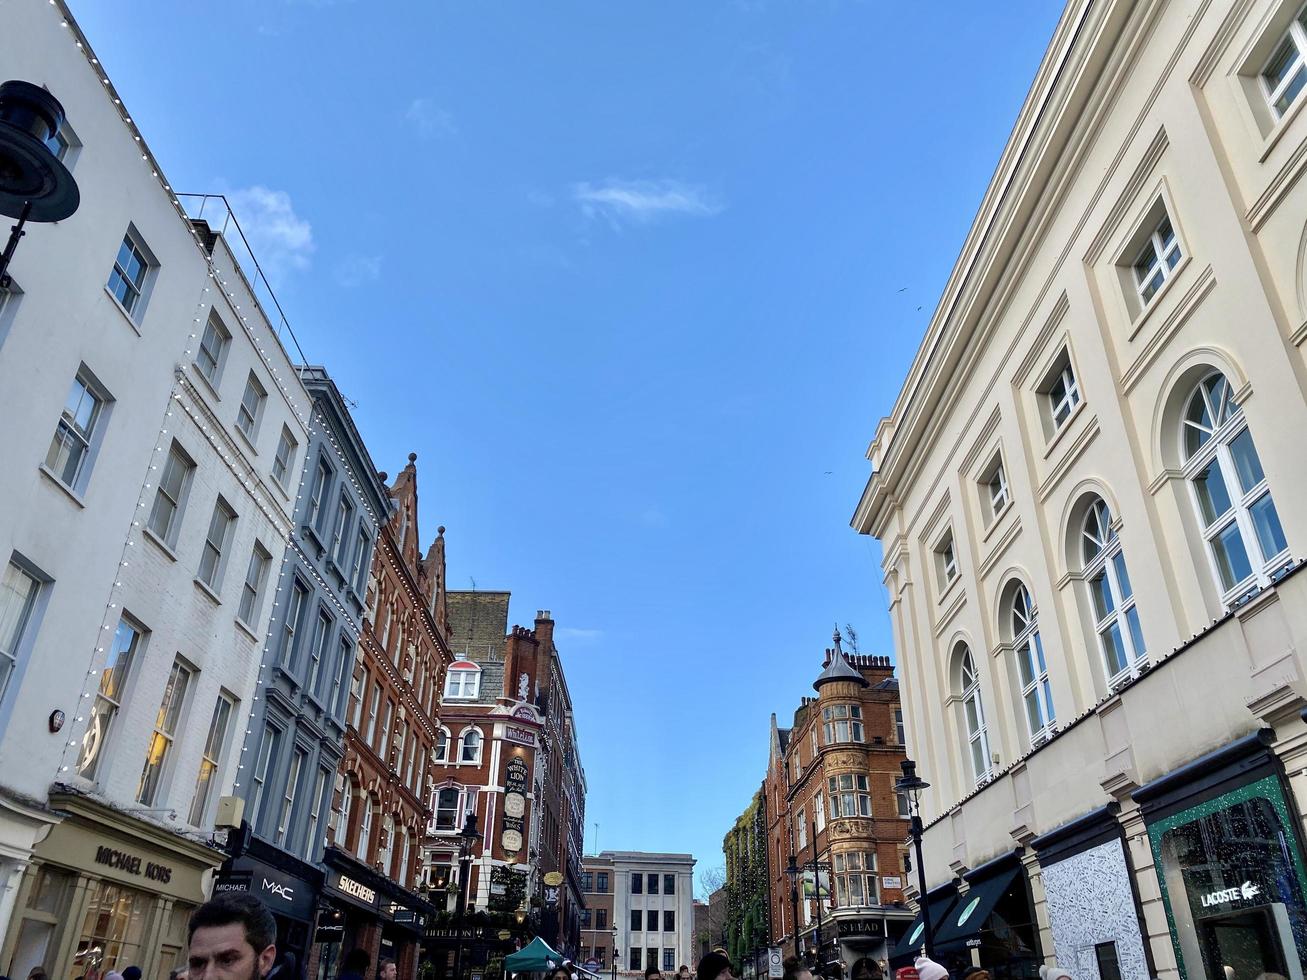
column 939, row 903
column 536, row 957
column 971, row 913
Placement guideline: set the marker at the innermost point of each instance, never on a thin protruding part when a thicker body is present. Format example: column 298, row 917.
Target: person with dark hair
column 715, row 966
column 386, row 969
column 560, row 973
column 651, row 972
column 795, row 970
column 132, row 973
column 355, row 964
column 231, row 937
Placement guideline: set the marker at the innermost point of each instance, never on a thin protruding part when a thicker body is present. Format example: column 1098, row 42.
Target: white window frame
column 373, row 707
column 1295, row 37
column 172, row 708
column 339, row 542
column 136, row 291
column 222, row 524
column 479, row 745
column 973, row 718
column 319, row 651
column 1062, row 407
column 315, row 815
column 443, row 741
column 286, row 821
column 16, row 613
column 284, row 459
column 318, row 493
column 249, row 413
column 170, row 500
column 1166, row 255
column 256, row 576
column 1028, row 648
column 1117, row 615
column 819, row 808
column 292, row 621
column 999, row 494
column 211, row 351
column 211, row 758
column 115, row 675
column 386, row 845
column 268, row 747
column 346, row 804
column 387, row 723
column 801, row 834
column 362, row 546
column 463, row 684
column 365, row 829
column 437, row 810
column 946, row 560
column 1230, row 425
column 356, row 692
column 83, row 437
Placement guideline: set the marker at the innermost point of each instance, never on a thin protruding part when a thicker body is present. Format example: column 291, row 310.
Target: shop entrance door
column 1251, row 942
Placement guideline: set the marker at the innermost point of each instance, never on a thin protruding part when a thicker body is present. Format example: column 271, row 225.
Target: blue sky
column 635, row 280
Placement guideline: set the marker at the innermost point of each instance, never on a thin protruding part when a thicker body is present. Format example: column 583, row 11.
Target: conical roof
column 839, row 668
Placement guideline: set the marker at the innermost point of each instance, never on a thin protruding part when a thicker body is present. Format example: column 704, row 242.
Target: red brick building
column 506, row 750
column 382, row 801
column 829, row 794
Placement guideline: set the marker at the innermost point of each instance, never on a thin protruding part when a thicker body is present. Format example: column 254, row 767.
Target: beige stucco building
column 1089, row 494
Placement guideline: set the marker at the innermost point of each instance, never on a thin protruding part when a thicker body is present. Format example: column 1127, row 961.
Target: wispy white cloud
column 280, row 239
column 643, row 201
column 429, row 120
column 578, row 634
column 358, row 270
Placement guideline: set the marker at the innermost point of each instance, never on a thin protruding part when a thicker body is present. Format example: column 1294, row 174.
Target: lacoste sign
column 1244, row 892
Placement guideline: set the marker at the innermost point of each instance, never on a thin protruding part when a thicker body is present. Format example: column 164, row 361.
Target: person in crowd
column 651, row 972
column 1053, row 972
column 287, row 967
column 560, row 973
column 866, row 969
column 37, row 973
column 113, row 975
column 355, row 964
column 387, row 969
column 232, row 936
column 928, row 969
column 683, row 973
column 715, row 966
column 132, row 973
column 975, row 973
column 794, row 970
column 178, row 974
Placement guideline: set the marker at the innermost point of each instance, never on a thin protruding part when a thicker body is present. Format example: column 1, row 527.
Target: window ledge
column 117, row 305
column 947, row 591
column 1147, row 312
column 247, row 439
column 212, row 386
column 1064, row 428
column 1283, row 123
column 247, row 629
column 997, row 519
column 161, row 544
column 280, row 489
column 68, row 491
column 207, row 590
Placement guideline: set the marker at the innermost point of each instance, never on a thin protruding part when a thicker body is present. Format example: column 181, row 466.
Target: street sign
column 592, row 964
column 775, row 963
column 554, row 879
column 891, row 881
column 505, row 935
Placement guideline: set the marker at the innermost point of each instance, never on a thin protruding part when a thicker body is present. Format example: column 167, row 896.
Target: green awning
column 940, row 903
column 536, row 957
column 970, row 915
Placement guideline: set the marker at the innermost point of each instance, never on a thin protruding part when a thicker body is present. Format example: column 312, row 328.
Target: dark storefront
column 289, row 887
column 1228, row 853
column 362, row 909
column 993, row 923
column 940, row 903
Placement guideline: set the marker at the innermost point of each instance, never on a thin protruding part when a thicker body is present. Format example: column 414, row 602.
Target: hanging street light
column 467, row 841
column 34, row 183
column 912, row 786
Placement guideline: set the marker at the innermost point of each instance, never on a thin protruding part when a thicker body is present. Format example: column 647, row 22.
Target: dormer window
column 463, row 680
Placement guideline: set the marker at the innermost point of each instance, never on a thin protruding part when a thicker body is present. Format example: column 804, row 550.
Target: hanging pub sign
column 515, row 782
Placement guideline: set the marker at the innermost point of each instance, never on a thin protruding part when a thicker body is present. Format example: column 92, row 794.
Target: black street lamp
column 34, row 183
column 793, row 870
column 615, row 954
column 467, row 840
column 912, row 785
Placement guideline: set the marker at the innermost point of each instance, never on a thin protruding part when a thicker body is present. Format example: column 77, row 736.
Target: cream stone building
column 1089, row 494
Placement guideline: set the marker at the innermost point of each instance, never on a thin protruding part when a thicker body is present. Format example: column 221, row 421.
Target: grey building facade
column 294, row 741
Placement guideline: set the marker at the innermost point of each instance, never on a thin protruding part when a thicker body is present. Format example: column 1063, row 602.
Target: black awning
column 940, row 903
column 970, row 915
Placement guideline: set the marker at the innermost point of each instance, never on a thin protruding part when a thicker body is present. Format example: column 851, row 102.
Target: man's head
column 232, row 937
column 386, row 970
column 797, row 971
column 715, row 966
column 683, row 972
column 651, row 972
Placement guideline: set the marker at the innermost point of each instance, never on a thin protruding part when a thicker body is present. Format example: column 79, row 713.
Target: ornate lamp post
column 467, row 839
column 34, row 183
column 912, row 785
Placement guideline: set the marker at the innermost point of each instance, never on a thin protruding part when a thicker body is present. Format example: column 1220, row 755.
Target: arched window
column 1235, row 509
column 346, row 800
column 977, row 734
column 471, row 746
column 1116, row 620
column 1031, row 666
column 442, row 745
column 386, row 846
column 365, row 830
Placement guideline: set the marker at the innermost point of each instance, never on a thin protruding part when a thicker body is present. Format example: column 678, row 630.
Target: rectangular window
column 284, row 459
column 587, row 881
column 1285, row 73
column 669, row 920
column 1062, row 393
column 130, row 268
column 250, row 411
column 318, row 653
column 256, row 574
column 356, row 699
column 385, row 729
column 905, row 805
column 358, row 572
column 635, row 960
column 801, row 831
column 446, row 809
column 462, row 683
column 585, row 919
column 652, row 916
column 344, row 662
column 669, row 884
column 603, row 882
column 340, row 531
column 1157, row 260
column 1109, row 965
column 165, row 731
column 373, row 706
column 819, row 804
column 213, row 745
column 317, row 494
column 168, row 495
column 946, row 561
column 669, row 958
column 637, row 884
column 311, row 840
column 18, row 592
column 108, row 698
column 292, row 621
column 70, row 448
column 651, row 956
column 997, row 489
column 653, row 884
column 637, row 920
column 213, row 347
column 899, row 732
column 215, row 542
column 288, row 797
column 268, row 751
column 601, row 918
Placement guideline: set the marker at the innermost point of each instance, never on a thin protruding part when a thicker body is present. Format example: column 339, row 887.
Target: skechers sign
column 356, row 890
column 1242, row 893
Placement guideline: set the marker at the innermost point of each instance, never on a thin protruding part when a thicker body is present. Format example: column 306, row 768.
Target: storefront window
column 1233, row 880
column 47, row 899
column 111, row 932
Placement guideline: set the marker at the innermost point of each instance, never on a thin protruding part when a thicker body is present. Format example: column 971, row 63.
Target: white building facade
column 1088, row 495
column 153, row 442
column 653, row 910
